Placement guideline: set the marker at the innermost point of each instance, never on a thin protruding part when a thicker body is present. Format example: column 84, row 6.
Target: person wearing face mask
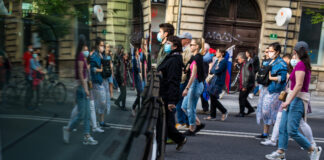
column 26, row 60
column 166, row 30
column 171, row 69
column 269, row 103
column 99, row 91
column 296, row 106
column 82, row 96
column 75, row 112
column 195, row 86
column 304, row 127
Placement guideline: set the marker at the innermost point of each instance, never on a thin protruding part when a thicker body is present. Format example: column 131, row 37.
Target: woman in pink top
column 294, row 108
column 194, row 87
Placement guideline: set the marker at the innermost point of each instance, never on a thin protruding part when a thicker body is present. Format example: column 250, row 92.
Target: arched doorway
column 137, row 31
column 230, row 22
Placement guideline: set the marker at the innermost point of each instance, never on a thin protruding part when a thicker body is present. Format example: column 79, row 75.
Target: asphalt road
column 37, row 135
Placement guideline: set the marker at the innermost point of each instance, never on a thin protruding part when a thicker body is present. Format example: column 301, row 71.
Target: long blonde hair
column 201, row 43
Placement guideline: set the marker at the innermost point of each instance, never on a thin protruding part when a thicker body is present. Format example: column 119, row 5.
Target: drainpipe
column 285, row 47
column 179, row 17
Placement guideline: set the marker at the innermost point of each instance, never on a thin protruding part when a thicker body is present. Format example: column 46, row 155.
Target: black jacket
column 171, row 68
column 247, row 75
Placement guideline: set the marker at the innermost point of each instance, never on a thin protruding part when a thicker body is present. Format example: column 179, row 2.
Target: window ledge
column 317, row 68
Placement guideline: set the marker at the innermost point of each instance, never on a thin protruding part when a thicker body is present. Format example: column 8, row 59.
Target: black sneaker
column 240, row 115
column 189, row 133
column 180, row 145
column 199, row 127
column 250, row 111
column 262, row 136
column 104, row 125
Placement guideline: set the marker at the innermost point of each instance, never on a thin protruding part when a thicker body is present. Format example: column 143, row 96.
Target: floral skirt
column 268, row 107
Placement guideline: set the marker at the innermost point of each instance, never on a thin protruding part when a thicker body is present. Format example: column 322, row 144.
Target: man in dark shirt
column 246, row 84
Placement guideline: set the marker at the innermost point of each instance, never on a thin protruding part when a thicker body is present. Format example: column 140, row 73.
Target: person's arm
column 300, row 75
column 82, row 78
column 112, row 69
column 221, row 67
column 34, row 66
column 192, row 78
column 173, row 79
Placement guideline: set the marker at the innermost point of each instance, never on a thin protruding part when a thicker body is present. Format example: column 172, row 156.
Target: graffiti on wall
column 223, row 37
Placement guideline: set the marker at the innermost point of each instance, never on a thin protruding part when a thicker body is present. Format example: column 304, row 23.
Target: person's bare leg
column 111, row 90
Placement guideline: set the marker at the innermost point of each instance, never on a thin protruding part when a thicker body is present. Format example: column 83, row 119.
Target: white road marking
column 129, row 127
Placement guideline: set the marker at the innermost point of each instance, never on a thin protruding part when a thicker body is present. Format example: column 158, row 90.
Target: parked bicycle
column 14, row 91
column 50, row 90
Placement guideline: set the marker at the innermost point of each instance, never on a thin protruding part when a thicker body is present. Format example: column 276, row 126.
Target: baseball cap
column 301, row 44
column 185, row 35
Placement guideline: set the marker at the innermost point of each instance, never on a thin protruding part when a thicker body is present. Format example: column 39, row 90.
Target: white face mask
column 101, row 49
column 272, row 54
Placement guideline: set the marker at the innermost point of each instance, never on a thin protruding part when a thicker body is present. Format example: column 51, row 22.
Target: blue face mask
column 159, row 37
column 34, row 55
column 167, row 48
column 86, row 53
column 293, row 62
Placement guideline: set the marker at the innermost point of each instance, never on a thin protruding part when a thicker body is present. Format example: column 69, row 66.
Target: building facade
column 247, row 24
column 250, row 24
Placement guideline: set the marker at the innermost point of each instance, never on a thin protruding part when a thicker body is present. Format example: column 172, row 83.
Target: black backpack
column 263, row 75
column 106, row 72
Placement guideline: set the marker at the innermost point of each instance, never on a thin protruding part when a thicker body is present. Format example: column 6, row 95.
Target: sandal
column 209, row 118
column 224, row 117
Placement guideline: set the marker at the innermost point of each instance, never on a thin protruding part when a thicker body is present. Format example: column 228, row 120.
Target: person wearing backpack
column 269, row 102
column 194, row 87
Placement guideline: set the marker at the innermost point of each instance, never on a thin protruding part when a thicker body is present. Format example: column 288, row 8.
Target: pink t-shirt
column 191, row 67
column 300, row 67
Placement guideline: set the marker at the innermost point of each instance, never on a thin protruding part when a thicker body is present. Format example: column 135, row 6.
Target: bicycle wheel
column 59, row 93
column 8, row 96
column 234, row 87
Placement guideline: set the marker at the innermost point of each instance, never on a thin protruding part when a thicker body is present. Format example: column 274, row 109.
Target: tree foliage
column 53, row 18
column 317, row 16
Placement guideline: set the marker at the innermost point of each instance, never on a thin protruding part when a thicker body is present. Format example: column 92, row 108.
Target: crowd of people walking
column 191, row 69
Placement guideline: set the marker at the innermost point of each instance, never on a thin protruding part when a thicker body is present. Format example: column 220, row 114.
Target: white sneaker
column 66, row 134
column 89, row 141
column 183, row 127
column 97, row 129
column 315, row 155
column 222, row 94
column 269, row 142
column 276, row 156
column 133, row 112
column 251, row 95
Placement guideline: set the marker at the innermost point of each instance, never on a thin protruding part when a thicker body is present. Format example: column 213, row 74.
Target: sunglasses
column 193, row 45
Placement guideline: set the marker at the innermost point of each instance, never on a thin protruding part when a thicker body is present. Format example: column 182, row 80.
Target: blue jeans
column 181, row 115
column 84, row 111
column 290, row 123
column 190, row 101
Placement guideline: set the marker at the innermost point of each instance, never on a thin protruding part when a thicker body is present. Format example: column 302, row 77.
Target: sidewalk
column 231, row 103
